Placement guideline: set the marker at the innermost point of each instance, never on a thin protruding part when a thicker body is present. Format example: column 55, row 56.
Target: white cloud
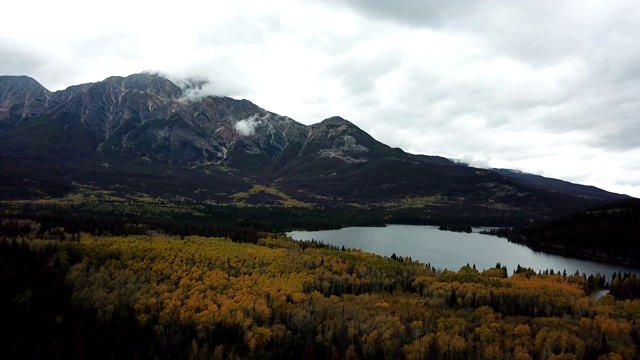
column 475, row 161
column 247, row 127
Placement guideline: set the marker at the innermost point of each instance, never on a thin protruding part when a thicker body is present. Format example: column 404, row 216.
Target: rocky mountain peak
column 335, row 121
column 17, row 88
column 20, row 97
column 147, row 82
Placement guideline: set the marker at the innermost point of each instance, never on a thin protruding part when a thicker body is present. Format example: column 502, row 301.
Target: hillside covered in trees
column 154, row 295
column 607, row 233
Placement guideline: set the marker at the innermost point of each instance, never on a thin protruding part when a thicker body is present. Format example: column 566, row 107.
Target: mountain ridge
column 143, row 133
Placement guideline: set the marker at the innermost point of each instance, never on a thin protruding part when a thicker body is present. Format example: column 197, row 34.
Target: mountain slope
column 558, row 185
column 144, row 134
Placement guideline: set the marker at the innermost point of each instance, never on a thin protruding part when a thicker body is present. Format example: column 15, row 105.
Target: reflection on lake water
column 451, row 250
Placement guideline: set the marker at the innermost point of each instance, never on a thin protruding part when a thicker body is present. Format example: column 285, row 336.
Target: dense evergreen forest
column 607, row 233
column 143, row 293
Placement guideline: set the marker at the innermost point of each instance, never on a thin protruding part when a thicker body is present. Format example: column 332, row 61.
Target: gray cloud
column 414, row 12
column 15, row 60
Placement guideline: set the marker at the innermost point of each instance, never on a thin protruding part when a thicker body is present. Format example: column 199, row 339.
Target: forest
column 145, row 294
column 606, row 233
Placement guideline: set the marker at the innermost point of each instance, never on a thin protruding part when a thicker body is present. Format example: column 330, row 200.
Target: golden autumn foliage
column 234, row 300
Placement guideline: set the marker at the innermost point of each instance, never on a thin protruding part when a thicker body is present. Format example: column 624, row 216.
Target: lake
column 452, row 250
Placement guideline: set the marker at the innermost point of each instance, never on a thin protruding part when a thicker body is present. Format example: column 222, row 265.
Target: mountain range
column 143, row 134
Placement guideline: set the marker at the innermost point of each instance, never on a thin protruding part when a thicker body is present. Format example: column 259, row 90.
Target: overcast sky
column 547, row 87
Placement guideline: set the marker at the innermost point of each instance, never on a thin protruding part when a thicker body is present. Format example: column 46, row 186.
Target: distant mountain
column 144, row 134
column 559, row 185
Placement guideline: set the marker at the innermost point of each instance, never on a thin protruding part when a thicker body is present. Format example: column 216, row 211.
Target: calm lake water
column 451, row 250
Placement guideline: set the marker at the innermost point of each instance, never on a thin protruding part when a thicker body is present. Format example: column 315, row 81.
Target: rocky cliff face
column 149, row 116
column 20, row 97
column 144, row 133
column 145, row 115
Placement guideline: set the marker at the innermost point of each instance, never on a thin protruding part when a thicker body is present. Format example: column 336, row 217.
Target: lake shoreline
column 423, row 243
